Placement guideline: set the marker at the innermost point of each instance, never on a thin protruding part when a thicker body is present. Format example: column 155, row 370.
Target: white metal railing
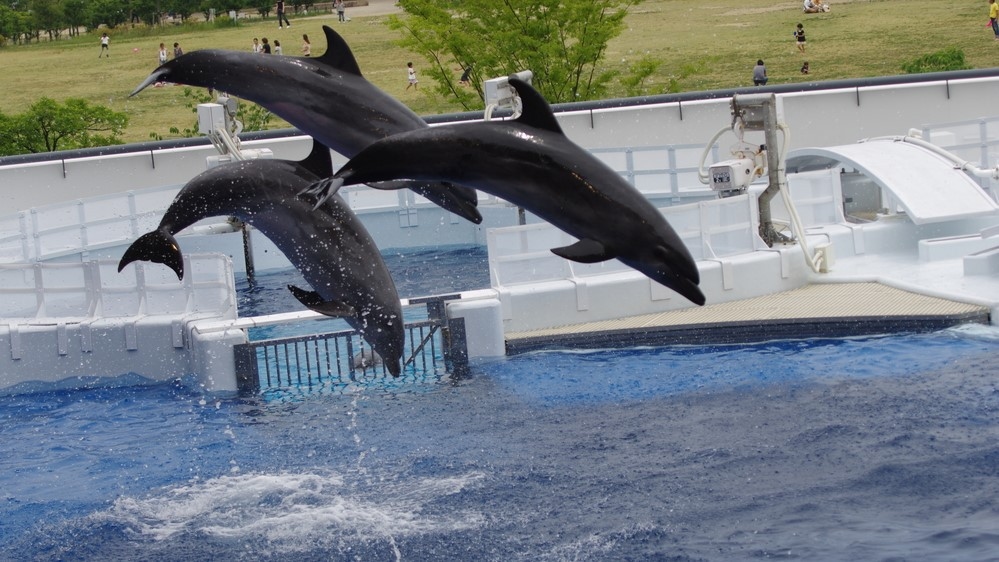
column 94, row 223
column 669, row 170
column 81, row 225
column 710, row 229
column 975, row 140
column 817, row 196
column 37, row 291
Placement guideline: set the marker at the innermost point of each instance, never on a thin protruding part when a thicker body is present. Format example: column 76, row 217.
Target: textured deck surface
column 832, row 310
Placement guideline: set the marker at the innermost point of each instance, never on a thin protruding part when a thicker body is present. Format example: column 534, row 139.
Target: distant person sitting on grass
column 804, row 68
column 760, row 74
column 815, row 6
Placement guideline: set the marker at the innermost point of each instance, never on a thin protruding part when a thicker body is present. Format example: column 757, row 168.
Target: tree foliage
column 561, row 41
column 48, row 126
column 252, row 116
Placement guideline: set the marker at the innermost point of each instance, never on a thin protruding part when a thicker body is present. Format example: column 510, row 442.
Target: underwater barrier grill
column 433, row 348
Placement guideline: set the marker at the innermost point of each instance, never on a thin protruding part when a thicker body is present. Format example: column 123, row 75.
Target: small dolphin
column 329, row 246
column 530, row 162
column 325, row 97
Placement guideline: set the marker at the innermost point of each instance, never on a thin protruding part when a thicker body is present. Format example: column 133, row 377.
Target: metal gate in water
column 433, row 347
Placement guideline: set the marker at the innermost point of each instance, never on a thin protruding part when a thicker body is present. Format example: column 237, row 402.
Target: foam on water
column 293, row 511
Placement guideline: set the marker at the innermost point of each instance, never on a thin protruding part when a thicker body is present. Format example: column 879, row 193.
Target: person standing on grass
column 993, row 17
column 105, row 46
column 281, row 16
column 277, row 47
column 306, row 45
column 163, row 54
column 411, row 72
column 177, row 51
column 340, row 10
column 799, row 36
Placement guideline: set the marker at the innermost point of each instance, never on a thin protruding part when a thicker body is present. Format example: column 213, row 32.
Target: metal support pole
column 759, row 112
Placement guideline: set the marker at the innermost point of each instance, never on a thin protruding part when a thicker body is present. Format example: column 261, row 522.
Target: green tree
column 48, row 126
column 76, row 15
column 148, row 11
column 561, row 41
column 111, row 13
column 48, row 16
column 184, row 8
column 252, row 116
column 263, row 7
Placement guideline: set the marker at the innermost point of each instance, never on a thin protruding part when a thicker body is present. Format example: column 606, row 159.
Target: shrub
column 951, row 58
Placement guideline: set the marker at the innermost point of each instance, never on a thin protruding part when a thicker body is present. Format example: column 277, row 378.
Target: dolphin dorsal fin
column 319, row 161
column 536, row 112
column 338, row 54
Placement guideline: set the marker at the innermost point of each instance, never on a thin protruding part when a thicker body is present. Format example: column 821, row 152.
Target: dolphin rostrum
column 531, row 163
column 329, row 246
column 325, row 97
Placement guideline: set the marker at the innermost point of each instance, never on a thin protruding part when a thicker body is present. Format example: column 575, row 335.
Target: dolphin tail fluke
column 156, row 76
column 158, row 246
column 323, row 189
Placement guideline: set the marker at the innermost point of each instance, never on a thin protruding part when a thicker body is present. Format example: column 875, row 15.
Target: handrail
column 595, row 105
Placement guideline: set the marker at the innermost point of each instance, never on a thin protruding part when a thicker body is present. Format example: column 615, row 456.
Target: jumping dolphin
column 530, row 162
column 325, row 97
column 329, row 246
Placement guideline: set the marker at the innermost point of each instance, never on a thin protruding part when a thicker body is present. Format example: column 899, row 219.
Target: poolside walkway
column 819, row 310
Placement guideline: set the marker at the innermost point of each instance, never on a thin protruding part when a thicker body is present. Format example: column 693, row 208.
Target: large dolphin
column 329, row 246
column 530, row 162
column 325, row 97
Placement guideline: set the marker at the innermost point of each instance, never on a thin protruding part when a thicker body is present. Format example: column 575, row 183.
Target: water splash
column 294, row 511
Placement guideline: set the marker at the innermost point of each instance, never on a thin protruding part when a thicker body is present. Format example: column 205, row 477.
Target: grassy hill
column 703, row 45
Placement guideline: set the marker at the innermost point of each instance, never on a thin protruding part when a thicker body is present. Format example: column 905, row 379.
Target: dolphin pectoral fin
column 584, row 251
column 314, row 302
column 158, row 246
column 323, row 190
column 458, row 199
column 156, row 76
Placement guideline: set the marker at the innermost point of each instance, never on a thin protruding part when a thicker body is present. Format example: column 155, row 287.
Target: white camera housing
column 732, row 175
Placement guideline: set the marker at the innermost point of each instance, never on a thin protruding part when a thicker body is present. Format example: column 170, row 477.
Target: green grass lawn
column 704, row 44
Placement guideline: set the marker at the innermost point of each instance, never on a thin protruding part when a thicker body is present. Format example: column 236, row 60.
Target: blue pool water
column 877, row 448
